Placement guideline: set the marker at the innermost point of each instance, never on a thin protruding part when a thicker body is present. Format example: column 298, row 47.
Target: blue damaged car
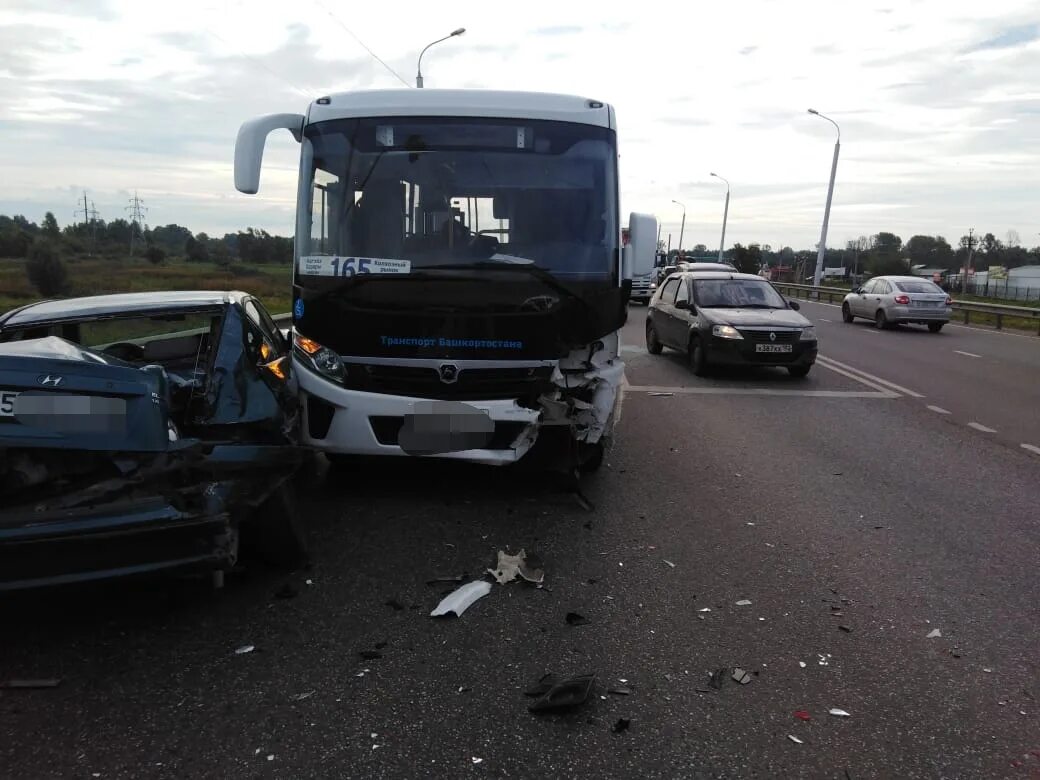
column 144, row 433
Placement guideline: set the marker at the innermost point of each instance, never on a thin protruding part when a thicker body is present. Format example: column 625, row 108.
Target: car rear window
column 918, row 287
column 99, row 333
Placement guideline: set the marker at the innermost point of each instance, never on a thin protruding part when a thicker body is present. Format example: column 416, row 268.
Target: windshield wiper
column 530, row 269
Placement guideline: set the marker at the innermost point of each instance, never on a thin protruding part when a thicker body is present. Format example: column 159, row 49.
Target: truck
column 645, row 285
column 459, row 279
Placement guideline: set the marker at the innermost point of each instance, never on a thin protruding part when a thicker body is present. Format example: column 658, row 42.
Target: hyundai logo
column 449, row 373
column 53, row 381
column 772, row 336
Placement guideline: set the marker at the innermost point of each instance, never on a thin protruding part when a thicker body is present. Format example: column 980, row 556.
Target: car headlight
column 809, row 334
column 725, row 332
column 653, row 285
column 324, row 360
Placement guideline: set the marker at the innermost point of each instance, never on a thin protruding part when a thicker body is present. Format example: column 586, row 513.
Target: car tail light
column 903, row 299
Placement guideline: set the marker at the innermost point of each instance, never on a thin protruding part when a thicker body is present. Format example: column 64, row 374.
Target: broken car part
column 565, row 693
column 459, row 600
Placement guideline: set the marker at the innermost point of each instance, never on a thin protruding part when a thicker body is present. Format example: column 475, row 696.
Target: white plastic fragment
column 668, row 562
column 795, row 739
column 459, row 600
column 744, row 603
column 840, row 713
column 270, row 757
column 477, row 760
column 934, row 634
column 509, row 566
column 244, row 649
column 988, row 671
column 706, row 609
column 801, row 664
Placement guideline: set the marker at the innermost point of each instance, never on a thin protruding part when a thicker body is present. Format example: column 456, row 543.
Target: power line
column 90, row 216
column 260, row 64
column 363, row 46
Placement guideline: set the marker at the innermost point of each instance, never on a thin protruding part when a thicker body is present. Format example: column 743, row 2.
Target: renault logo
column 52, row 381
column 772, row 336
column 449, row 373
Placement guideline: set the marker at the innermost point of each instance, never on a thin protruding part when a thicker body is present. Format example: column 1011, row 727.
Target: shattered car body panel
column 141, row 455
column 587, row 383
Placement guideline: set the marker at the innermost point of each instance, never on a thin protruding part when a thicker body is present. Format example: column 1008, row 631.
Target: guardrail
column 966, row 308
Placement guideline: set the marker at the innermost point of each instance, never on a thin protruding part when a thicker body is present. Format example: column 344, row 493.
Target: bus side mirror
column 249, row 146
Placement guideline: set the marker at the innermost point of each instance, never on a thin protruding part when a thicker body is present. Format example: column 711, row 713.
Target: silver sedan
column 894, row 300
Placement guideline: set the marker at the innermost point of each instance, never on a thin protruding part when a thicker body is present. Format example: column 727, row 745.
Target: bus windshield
column 399, row 193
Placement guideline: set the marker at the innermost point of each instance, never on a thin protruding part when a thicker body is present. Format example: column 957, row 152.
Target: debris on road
column 31, row 684
column 621, row 725
column 270, row 757
column 576, row 619
column 795, row 739
column 840, row 713
column 563, row 694
column 583, row 502
column 825, row 660
column 301, row 696
column 744, row 603
column 477, row 760
column 705, row 609
column 668, row 562
column 457, row 579
column 846, row 629
column 660, row 395
column 935, row 633
column 370, row 655
column 620, row 691
column 395, row 605
column 716, row 679
column 801, row 664
column 509, row 566
column 244, row 649
column 309, row 582
column 459, row 600
column 988, row 671
column 740, row 676
column 802, row 715
column 362, row 673
column 287, row 591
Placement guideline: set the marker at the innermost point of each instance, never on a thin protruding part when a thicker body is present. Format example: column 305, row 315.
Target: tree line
column 47, row 246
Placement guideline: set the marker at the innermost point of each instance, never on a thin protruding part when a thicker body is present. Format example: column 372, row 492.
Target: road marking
column 980, row 427
column 1031, row 447
column 824, row 319
column 969, row 354
column 879, row 380
column 939, row 409
column 854, row 377
column 759, row 391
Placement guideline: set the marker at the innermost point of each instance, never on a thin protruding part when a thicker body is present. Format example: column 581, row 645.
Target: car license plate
column 772, row 347
column 7, row 403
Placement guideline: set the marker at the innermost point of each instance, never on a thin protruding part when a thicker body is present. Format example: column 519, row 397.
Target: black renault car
column 720, row 318
column 141, row 433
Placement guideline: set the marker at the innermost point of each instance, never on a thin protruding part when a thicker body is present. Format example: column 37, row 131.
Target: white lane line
column 879, row 380
column 939, row 409
column 1031, row 447
column 824, row 319
column 884, row 391
column 758, row 391
column 981, row 427
column 968, row 354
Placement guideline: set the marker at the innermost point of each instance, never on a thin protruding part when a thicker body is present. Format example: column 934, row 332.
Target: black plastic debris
column 620, row 691
column 370, row 655
column 396, row 605
column 583, row 502
column 543, row 685
column 621, row 725
column 717, row 678
column 575, row 619
column 457, row 579
column 846, row 629
column 287, row 591
column 564, row 694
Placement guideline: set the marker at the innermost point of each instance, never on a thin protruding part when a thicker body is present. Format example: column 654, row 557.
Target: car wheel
column 277, row 536
column 846, row 313
column 798, row 371
column 698, row 360
column 653, row 344
column 935, row 327
column 880, row 320
column 590, row 457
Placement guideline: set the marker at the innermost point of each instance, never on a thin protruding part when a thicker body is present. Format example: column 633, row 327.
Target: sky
column 938, row 103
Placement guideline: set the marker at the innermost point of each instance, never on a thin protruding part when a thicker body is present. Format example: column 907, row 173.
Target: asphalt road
column 839, row 500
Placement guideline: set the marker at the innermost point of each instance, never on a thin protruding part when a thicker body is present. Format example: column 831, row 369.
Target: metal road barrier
column 966, row 308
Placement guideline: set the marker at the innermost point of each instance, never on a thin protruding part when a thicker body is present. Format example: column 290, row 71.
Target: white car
column 895, row 300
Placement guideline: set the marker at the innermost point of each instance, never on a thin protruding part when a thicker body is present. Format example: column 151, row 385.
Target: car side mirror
column 794, row 305
column 857, row 291
column 682, row 304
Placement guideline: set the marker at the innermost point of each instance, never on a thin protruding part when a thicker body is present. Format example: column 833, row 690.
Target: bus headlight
column 324, row 360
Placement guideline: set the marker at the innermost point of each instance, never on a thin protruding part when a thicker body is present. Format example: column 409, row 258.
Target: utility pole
column 90, row 215
column 971, row 259
column 137, row 210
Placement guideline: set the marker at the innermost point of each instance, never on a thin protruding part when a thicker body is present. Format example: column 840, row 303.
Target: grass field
column 270, row 283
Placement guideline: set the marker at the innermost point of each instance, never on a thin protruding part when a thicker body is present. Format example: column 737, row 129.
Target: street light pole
column 682, row 227
column 821, row 254
column 725, row 216
column 418, row 70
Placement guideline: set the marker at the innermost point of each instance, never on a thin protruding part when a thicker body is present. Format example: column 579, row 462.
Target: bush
column 154, row 254
column 45, row 269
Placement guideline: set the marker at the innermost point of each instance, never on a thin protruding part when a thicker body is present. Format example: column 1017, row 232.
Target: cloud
column 748, row 50
column 1012, row 37
column 562, row 29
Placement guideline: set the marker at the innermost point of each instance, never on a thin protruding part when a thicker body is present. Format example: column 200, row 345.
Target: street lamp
column 725, row 216
column 827, row 210
column 683, row 226
column 418, row 70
